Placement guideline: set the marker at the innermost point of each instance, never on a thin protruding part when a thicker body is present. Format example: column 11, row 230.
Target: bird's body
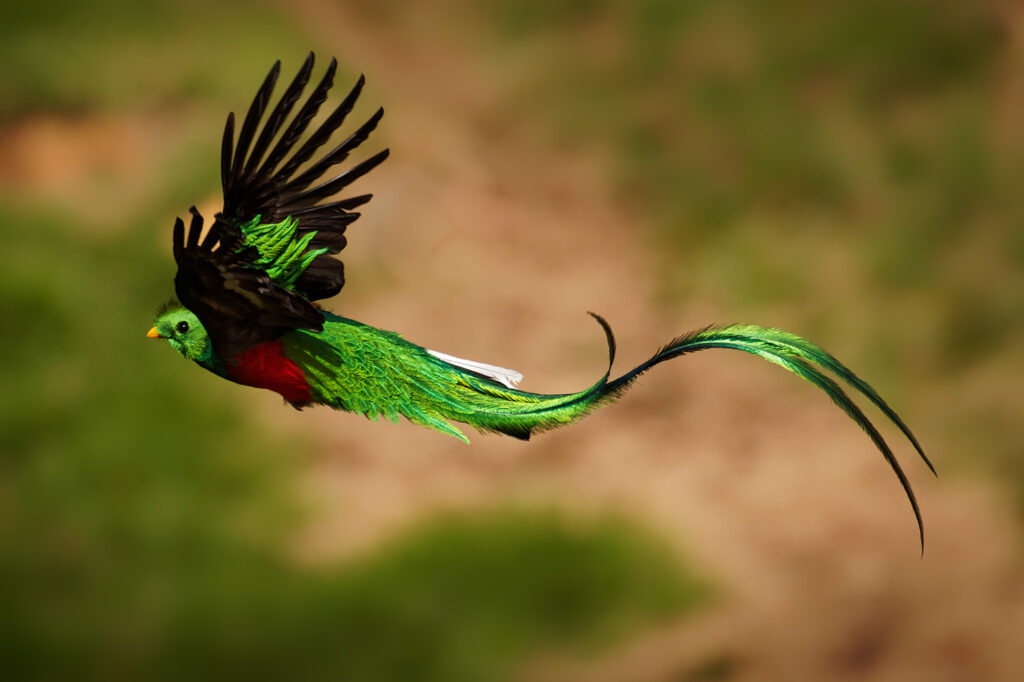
column 246, row 292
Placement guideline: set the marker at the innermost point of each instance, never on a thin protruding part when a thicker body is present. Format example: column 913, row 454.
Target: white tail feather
column 506, row 377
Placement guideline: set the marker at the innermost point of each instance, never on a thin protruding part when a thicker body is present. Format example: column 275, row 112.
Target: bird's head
column 181, row 328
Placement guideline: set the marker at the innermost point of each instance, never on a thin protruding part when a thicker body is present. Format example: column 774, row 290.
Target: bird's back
column 359, row 368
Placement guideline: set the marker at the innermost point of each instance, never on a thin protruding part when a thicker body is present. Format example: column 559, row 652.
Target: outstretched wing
column 271, row 250
column 261, row 184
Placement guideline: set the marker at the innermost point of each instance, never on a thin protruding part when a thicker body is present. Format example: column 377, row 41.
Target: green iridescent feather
column 358, row 368
column 238, row 324
column 281, row 255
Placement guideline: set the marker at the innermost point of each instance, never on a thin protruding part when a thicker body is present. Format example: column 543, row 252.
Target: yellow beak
column 153, row 333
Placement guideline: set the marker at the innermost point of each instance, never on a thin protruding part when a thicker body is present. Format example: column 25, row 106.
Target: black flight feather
column 322, row 134
column 239, row 303
column 301, row 120
column 281, row 111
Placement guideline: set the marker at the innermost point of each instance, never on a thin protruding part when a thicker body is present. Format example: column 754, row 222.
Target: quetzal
column 246, row 292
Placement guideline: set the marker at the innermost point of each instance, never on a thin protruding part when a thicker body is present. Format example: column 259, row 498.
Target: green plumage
column 358, row 368
column 282, row 254
column 247, row 290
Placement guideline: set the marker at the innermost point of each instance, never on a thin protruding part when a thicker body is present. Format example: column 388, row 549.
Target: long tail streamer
column 806, row 360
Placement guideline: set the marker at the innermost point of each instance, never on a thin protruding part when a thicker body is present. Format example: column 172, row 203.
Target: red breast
column 266, row 366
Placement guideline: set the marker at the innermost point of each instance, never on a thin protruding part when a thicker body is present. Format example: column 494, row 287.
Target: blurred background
column 850, row 171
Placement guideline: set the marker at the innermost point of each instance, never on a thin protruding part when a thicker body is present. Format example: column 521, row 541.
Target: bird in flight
column 246, row 293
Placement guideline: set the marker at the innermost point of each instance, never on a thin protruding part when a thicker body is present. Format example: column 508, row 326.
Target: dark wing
column 263, row 180
column 247, row 288
column 239, row 306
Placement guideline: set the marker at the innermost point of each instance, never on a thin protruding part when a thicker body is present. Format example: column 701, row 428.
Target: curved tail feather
column 520, row 414
column 358, row 368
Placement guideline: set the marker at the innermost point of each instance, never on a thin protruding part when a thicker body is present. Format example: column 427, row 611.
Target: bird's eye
column 181, row 327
